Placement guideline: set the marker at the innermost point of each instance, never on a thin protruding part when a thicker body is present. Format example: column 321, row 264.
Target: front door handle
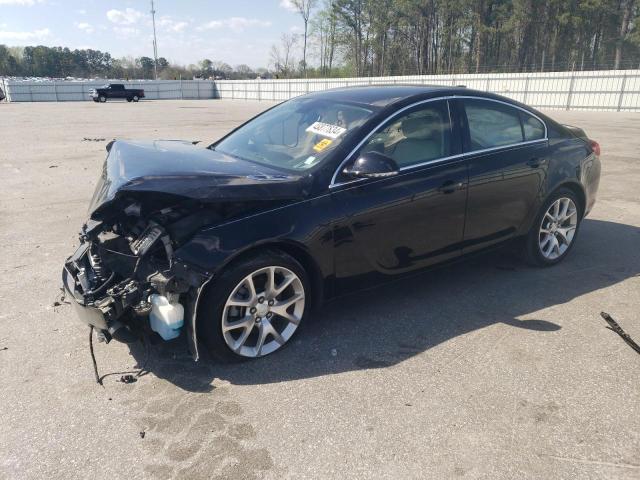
column 450, row 186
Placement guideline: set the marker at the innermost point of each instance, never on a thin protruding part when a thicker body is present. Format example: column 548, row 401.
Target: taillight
column 595, row 146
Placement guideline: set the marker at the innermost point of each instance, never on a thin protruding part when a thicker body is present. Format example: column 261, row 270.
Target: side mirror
column 372, row 165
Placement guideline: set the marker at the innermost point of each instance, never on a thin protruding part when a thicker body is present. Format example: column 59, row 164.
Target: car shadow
column 386, row 325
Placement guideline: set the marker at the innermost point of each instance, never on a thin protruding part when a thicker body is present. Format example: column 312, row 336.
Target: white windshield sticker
column 326, row 129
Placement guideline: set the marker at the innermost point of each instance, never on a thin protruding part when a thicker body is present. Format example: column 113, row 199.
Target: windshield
column 295, row 135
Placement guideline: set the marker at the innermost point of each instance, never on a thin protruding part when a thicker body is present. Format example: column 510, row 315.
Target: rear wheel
column 102, row 99
column 136, row 98
column 554, row 232
column 255, row 307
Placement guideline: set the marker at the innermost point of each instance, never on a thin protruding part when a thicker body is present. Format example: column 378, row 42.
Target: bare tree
column 627, row 7
column 322, row 30
column 281, row 57
column 304, row 7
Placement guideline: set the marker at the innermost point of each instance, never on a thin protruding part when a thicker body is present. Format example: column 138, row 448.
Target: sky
column 232, row 31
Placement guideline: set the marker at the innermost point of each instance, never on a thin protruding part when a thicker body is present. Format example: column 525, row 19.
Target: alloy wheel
column 263, row 311
column 558, row 227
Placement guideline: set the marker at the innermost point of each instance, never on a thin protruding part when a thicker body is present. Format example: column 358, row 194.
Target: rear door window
column 492, row 124
column 533, row 128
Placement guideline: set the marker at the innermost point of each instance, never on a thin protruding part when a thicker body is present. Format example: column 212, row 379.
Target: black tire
column 129, row 99
column 533, row 252
column 211, row 308
column 136, row 98
column 102, row 99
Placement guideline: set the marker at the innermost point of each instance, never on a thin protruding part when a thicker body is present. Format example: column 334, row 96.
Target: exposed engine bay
column 123, row 261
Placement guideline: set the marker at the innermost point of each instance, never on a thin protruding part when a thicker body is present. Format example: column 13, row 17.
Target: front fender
column 307, row 225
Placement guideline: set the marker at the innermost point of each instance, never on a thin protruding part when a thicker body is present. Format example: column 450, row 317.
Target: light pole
column 155, row 43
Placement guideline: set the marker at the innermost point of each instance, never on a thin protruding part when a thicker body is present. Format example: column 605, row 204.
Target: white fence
column 64, row 91
column 597, row 90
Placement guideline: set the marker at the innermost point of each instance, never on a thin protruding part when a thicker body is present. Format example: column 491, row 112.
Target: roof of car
column 384, row 95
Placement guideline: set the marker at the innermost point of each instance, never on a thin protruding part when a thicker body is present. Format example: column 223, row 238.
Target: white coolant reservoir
column 166, row 317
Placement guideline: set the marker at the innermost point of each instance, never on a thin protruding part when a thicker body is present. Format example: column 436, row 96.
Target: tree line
column 395, row 37
column 403, row 37
column 59, row 62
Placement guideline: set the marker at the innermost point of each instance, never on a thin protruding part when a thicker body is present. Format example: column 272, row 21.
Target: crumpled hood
column 181, row 169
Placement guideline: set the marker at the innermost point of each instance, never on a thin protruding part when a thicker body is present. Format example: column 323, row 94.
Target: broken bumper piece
column 109, row 305
column 110, row 288
column 119, row 268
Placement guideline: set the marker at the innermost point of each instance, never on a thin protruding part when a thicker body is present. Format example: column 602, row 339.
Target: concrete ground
column 485, row 369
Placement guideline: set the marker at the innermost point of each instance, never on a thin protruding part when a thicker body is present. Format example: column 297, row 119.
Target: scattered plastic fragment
column 142, row 434
column 60, row 299
column 613, row 325
column 128, row 379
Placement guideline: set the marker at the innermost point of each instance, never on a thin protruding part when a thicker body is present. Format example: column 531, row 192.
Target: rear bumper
column 590, row 178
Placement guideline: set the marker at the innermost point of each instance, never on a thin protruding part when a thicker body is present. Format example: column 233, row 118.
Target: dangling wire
column 127, row 377
column 93, row 357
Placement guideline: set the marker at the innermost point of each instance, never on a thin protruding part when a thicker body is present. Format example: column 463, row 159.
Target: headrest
column 420, row 128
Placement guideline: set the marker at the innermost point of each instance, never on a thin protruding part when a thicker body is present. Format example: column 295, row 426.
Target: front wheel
column 255, row 307
column 102, row 99
column 555, row 229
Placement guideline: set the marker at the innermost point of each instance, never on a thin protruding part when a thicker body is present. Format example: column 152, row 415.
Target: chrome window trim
column 546, row 131
column 334, row 184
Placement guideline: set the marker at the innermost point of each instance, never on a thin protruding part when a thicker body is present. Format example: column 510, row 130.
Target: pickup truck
column 116, row 90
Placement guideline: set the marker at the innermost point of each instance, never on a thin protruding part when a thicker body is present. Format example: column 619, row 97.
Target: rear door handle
column 536, row 162
column 450, row 186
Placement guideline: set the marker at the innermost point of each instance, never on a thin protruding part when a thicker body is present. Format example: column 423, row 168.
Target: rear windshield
column 295, row 135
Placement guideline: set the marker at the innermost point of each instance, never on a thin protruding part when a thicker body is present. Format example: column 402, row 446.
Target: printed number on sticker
column 326, row 129
column 322, row 144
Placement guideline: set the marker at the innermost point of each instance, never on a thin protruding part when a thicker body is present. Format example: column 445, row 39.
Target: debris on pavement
column 87, row 139
column 60, row 299
column 128, row 379
column 142, row 434
column 613, row 325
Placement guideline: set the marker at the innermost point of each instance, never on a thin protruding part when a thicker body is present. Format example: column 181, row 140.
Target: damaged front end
column 124, row 279
column 152, row 198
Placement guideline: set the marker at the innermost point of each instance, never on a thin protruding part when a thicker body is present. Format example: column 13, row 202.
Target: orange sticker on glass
column 322, row 144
